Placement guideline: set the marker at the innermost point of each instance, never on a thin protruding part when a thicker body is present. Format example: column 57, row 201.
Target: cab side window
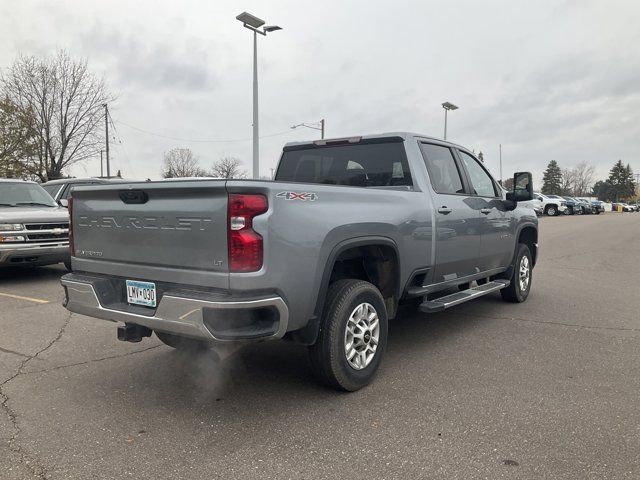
column 481, row 182
column 443, row 170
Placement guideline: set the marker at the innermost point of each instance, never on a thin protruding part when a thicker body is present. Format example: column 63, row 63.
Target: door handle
column 445, row 210
column 486, row 211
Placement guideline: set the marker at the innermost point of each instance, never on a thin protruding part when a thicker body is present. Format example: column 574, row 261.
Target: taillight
column 70, row 208
column 245, row 245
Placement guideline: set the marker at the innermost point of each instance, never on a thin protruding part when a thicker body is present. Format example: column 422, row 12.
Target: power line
column 199, row 140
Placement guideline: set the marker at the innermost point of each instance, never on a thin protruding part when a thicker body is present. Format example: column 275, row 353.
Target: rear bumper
column 216, row 319
column 17, row 254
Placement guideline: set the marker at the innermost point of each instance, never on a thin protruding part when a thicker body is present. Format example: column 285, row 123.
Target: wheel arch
column 380, row 266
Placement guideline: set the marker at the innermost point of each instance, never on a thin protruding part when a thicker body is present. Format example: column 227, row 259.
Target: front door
column 457, row 223
column 497, row 244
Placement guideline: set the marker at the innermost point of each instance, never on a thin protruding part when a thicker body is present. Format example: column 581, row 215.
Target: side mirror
column 522, row 187
column 63, row 202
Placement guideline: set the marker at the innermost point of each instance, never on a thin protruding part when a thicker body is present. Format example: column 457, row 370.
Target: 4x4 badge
column 304, row 196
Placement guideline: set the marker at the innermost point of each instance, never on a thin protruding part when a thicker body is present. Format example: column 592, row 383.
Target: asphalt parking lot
column 545, row 389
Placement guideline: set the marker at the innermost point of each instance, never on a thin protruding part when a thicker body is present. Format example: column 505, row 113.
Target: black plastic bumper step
column 457, row 298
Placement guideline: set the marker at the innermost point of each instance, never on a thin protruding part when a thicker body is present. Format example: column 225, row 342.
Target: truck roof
column 403, row 135
column 85, row 179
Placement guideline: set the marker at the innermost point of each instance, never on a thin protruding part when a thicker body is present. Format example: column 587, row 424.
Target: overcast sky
column 546, row 79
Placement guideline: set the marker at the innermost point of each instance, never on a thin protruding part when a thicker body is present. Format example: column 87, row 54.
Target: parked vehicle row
column 626, row 207
column 554, row 205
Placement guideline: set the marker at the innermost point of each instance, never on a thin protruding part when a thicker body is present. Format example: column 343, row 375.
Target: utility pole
column 500, row 164
column 106, row 132
column 101, row 167
column 322, row 129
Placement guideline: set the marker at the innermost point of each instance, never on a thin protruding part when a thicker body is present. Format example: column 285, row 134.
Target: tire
column 343, row 307
column 182, row 343
column 514, row 293
column 482, row 281
column 551, row 210
column 67, row 265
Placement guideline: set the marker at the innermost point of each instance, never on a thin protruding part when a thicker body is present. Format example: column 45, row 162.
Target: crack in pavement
column 37, row 470
column 6, row 350
column 60, row 367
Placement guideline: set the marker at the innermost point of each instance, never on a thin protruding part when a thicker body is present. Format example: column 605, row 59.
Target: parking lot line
column 18, row 297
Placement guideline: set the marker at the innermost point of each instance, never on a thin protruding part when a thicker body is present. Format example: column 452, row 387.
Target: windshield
column 24, row 194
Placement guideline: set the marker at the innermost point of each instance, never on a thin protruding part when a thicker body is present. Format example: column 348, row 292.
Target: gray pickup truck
column 323, row 255
column 34, row 230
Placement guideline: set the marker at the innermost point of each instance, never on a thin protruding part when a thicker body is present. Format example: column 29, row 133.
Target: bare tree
column 568, row 181
column 583, row 179
column 66, row 102
column 181, row 162
column 228, row 167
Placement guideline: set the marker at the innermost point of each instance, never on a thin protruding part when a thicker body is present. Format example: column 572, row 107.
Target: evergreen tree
column 552, row 179
column 603, row 190
column 621, row 180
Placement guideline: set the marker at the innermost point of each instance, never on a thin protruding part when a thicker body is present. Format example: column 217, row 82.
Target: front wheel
column 353, row 335
column 518, row 290
column 552, row 211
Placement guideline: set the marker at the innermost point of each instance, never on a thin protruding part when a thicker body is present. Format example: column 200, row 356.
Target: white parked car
column 534, row 204
column 552, row 205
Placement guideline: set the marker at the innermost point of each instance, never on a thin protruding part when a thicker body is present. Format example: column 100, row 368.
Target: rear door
column 497, row 237
column 457, row 219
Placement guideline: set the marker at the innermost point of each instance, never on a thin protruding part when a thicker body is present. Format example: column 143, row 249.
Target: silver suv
column 34, row 230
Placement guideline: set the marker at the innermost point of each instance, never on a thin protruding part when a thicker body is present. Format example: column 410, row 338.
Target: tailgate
column 152, row 230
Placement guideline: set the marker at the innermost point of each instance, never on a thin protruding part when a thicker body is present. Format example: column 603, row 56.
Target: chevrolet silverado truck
column 323, row 255
column 34, row 230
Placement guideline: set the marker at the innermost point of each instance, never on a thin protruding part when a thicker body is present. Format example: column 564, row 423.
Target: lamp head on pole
column 449, row 106
column 250, row 20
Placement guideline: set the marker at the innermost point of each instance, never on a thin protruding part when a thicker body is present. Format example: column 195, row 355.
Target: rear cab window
column 444, row 173
column 368, row 163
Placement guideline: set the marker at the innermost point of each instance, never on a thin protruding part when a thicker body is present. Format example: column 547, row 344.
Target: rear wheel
column 551, row 210
column 518, row 290
column 182, row 343
column 353, row 335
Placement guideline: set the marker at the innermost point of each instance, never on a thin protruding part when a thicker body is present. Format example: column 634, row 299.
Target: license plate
column 141, row 293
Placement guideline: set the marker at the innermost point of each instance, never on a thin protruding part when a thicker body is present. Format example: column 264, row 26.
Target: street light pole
column 315, row 126
column 254, row 23
column 501, row 165
column 256, row 134
column 445, row 123
column 447, row 106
